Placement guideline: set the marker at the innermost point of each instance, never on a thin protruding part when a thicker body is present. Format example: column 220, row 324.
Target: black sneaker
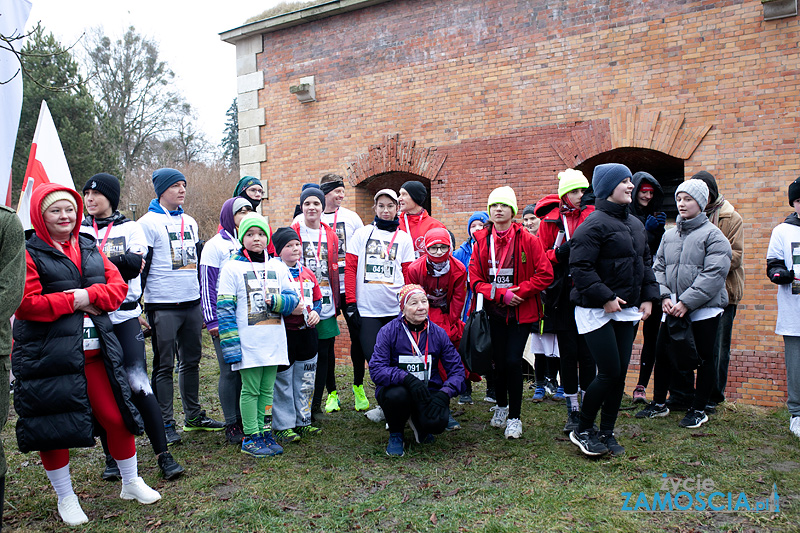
column 573, row 417
column 693, row 419
column 234, row 433
column 653, row 410
column 172, row 435
column 111, row 472
column 588, row 443
column 679, row 404
column 711, row 409
column 610, row 442
column 170, row 468
column 317, row 414
column 202, row 423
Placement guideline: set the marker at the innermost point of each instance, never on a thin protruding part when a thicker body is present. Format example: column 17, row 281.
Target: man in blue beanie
column 172, row 302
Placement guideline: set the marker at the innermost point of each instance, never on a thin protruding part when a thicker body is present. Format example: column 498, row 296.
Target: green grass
column 468, row 480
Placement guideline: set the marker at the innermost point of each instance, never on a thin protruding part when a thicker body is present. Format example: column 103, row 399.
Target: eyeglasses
column 438, row 248
column 256, row 190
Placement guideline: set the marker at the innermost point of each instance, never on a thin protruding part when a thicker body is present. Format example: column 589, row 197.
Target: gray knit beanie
column 697, row 189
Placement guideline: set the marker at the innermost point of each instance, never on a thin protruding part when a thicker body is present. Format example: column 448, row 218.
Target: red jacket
column 548, row 210
column 333, row 259
column 454, row 287
column 419, row 225
column 533, row 273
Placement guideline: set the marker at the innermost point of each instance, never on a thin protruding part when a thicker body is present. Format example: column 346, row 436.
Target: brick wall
column 512, row 92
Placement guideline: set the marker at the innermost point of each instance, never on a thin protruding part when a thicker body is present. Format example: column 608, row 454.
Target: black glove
column 437, row 408
column 562, row 253
column 417, row 389
column 352, row 314
column 782, row 276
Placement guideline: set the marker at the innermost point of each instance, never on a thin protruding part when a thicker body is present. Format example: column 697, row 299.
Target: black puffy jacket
column 609, row 257
column 50, row 392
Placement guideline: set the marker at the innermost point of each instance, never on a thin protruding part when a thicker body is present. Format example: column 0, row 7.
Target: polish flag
column 46, row 164
column 13, row 16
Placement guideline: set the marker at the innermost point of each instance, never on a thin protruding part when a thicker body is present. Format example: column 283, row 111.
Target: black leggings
column 131, row 339
column 368, row 334
column 576, row 361
column 611, row 347
column 508, row 346
column 326, row 369
column 396, row 404
column 546, row 368
column 650, row 329
column 704, row 332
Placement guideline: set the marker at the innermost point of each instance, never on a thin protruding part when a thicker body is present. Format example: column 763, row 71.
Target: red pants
column 121, row 443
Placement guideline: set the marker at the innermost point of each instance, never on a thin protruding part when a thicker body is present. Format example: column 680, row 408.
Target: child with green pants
column 253, row 296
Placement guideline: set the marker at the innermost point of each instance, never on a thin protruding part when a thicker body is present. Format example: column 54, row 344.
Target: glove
column 353, row 316
column 438, row 405
column 417, row 389
column 782, row 277
column 651, row 224
column 562, row 253
column 662, row 218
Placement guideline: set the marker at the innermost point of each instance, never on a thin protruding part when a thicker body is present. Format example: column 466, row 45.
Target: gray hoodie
column 692, row 262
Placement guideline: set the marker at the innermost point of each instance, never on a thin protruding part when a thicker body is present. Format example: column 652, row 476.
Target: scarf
column 712, row 210
column 437, row 270
column 386, row 225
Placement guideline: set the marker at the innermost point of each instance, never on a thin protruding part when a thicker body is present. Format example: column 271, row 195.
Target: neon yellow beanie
column 503, row 195
column 254, row 219
column 569, row 180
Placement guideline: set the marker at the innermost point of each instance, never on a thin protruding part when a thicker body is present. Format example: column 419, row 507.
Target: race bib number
column 502, row 279
column 91, row 340
column 413, row 365
column 796, row 267
column 379, row 262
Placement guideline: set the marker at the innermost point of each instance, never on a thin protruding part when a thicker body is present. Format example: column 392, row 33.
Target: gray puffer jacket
column 692, row 262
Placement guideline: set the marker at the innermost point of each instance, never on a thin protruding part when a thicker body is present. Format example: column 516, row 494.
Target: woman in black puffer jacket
column 614, row 288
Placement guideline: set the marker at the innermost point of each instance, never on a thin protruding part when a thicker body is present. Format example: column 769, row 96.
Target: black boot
column 111, row 473
column 170, row 468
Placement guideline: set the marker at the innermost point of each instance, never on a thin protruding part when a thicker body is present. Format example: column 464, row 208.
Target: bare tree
column 133, row 88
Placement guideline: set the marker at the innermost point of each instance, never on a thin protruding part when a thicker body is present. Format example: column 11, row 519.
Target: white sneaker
column 513, row 428
column 499, row 417
column 139, row 491
column 70, row 510
column 794, row 425
column 375, row 415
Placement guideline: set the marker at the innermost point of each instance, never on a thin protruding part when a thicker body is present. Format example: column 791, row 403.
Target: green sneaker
column 362, row 404
column 307, row 431
column 285, row 436
column 333, row 403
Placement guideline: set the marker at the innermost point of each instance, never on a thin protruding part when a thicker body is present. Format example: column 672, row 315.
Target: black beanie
column 282, row 236
column 107, row 185
column 713, row 190
column 416, row 190
column 794, row 191
column 312, row 191
column 530, row 209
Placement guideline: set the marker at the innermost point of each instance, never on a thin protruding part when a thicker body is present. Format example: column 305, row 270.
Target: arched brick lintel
column 395, row 156
column 633, row 127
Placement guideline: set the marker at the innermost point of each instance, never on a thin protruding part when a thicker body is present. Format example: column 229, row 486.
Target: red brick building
column 470, row 95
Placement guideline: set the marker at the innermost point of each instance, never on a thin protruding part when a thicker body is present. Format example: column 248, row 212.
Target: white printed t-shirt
column 379, row 276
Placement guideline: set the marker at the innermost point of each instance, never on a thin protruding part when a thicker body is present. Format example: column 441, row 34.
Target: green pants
column 256, row 399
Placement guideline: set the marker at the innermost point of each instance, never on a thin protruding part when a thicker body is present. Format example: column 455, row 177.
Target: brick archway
column 395, row 156
column 633, row 127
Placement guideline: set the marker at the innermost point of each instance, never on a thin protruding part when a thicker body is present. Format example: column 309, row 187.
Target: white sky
column 188, row 36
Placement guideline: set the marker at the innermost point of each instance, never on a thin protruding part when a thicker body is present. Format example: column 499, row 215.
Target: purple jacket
column 209, row 275
column 393, row 341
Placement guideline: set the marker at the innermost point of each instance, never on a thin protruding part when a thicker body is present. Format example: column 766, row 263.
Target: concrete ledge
column 295, row 18
column 247, row 101
column 249, row 137
column 252, row 169
column 252, row 154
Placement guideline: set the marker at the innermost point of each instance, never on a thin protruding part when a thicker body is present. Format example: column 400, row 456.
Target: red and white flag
column 46, row 164
column 13, row 16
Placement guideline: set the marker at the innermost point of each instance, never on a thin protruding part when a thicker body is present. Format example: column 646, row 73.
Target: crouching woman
column 408, row 386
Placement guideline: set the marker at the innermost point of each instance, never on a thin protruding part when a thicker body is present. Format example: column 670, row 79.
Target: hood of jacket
column 37, row 220
column 226, row 219
column 792, row 219
column 654, row 206
column 546, row 204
